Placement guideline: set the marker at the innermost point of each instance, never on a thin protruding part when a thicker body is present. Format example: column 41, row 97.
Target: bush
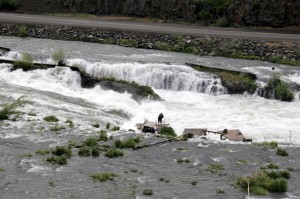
column 111, row 153
column 60, row 57
column 107, row 125
column 43, row 152
column 167, row 131
column 183, row 161
column 95, row 152
column 22, row 31
column 102, row 177
column 271, row 145
column 71, row 124
column 62, row 151
column 84, row 152
column 281, row 152
column 11, row 108
column 90, row 142
column 129, row 143
column 50, row 118
column 61, row 160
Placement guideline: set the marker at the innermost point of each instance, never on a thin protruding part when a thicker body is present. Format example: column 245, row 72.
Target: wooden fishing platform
column 232, row 135
column 150, row 126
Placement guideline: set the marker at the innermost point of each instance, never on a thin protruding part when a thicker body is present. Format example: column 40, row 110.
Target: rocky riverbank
column 279, row 52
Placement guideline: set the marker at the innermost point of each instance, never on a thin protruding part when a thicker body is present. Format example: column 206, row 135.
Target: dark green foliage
column 103, row 136
column 214, row 167
column 128, row 43
column 238, row 83
column 57, row 128
column 102, row 177
column 43, row 151
column 11, row 108
column 272, row 166
column 23, row 31
column 278, row 89
column 61, row 160
column 26, row 66
column 62, row 151
column 220, row 191
column 281, row 152
column 95, row 152
column 148, row 192
column 129, row 143
column 92, row 141
column 111, row 153
column 184, row 137
column 262, row 182
column 51, row 119
column 167, row 131
column 9, row 4
column 84, row 152
column 107, row 125
column 194, row 182
column 271, row 145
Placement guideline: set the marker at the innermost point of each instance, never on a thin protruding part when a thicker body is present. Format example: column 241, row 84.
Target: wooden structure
column 150, row 126
column 192, row 132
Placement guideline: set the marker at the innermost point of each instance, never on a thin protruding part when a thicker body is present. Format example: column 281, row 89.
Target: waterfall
column 157, row 75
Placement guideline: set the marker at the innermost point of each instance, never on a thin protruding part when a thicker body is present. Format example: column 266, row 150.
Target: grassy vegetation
column 60, row 160
column 51, row 118
column 11, row 108
column 115, row 128
column 22, row 32
column 71, row 124
column 103, row 136
column 281, row 152
column 278, row 89
column 57, row 128
column 96, row 125
column 167, row 131
column 112, row 153
column 84, row 151
column 107, row 125
column 43, row 152
column 128, row 43
column 128, row 143
column 62, row 151
column 104, row 176
column 215, row 167
column 270, row 145
column 263, row 182
column 92, row 141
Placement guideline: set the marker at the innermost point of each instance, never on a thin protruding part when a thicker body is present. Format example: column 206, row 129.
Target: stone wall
column 274, row 13
column 190, row 44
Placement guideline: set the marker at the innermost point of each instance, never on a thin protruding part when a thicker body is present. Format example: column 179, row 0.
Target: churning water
column 191, row 98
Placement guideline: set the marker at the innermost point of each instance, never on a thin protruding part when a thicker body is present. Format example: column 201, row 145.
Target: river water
column 190, row 99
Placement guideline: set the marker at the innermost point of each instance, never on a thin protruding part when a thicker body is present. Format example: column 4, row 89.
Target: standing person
column 160, row 117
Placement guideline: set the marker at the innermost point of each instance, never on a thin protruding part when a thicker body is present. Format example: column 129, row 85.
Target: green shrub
column 167, row 131
column 129, row 143
column 213, row 167
column 111, row 153
column 128, row 42
column 61, row 160
column 22, row 31
column 103, row 136
column 91, row 141
column 11, row 108
column 51, row 119
column 61, row 150
column 43, row 151
column 281, row 152
column 148, row 192
column 95, row 152
column 60, row 57
column 271, row 145
column 272, row 166
column 102, row 177
column 279, row 88
column 84, row 152
column 261, row 182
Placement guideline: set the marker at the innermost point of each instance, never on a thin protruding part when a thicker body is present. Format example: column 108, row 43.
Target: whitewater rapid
column 185, row 104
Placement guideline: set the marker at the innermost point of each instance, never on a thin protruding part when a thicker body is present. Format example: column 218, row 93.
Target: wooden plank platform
column 192, row 132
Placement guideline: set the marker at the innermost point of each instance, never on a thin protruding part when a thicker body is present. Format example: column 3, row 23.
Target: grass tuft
column 112, row 153
column 11, row 108
column 104, row 176
column 51, row 118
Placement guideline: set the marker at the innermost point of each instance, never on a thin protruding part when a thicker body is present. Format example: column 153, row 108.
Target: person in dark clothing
column 160, row 117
